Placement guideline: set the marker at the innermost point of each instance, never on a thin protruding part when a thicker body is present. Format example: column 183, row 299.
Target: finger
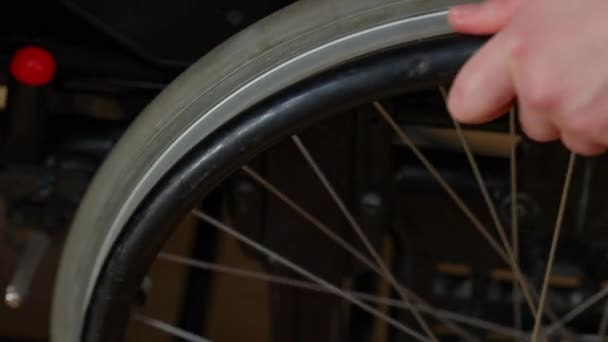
column 483, row 87
column 581, row 145
column 487, row 17
column 537, row 127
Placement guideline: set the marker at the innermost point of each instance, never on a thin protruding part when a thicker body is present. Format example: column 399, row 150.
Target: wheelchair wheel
column 322, row 135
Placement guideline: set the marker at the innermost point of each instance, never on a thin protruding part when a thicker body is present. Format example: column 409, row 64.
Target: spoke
column 323, row 228
column 306, row 285
column 484, row 189
column 528, row 291
column 357, row 228
column 577, row 310
column 458, row 201
column 517, row 314
column 169, row 329
column 307, row 274
column 601, row 334
column 239, row 272
column 490, row 205
column 556, row 234
column 310, row 218
column 492, row 208
column 442, row 182
column 478, row 323
column 512, row 251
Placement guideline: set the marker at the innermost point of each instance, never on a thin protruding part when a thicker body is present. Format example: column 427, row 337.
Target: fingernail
column 465, row 10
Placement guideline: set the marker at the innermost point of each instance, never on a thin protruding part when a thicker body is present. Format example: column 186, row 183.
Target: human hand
column 552, row 55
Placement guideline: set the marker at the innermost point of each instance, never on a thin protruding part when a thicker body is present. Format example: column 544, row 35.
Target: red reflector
column 33, row 66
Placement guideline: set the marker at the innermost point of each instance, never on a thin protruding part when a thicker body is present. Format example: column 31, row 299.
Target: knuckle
column 542, row 95
column 537, row 86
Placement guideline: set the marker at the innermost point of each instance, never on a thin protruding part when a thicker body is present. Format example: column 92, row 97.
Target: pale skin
column 552, row 55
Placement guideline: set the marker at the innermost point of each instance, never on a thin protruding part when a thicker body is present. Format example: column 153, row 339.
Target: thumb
column 483, row 18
